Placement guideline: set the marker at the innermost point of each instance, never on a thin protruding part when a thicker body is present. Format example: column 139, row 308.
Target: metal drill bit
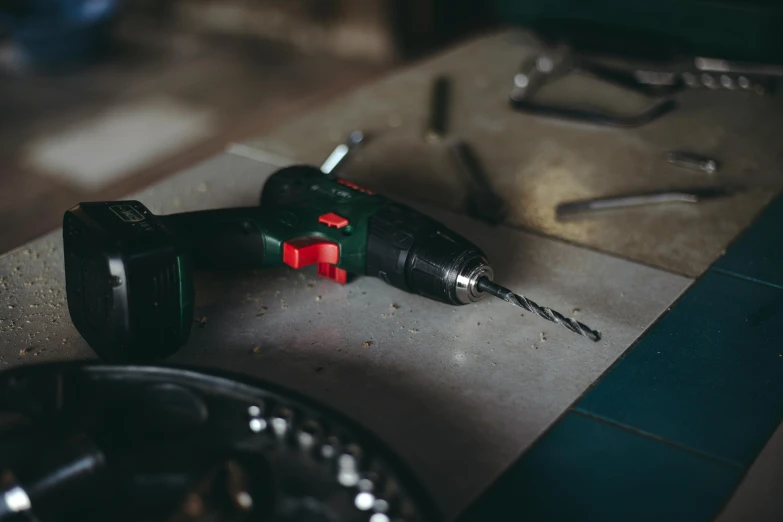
column 485, row 285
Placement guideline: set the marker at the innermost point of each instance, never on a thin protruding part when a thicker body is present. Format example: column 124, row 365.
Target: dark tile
column 758, row 253
column 584, row 469
column 708, row 376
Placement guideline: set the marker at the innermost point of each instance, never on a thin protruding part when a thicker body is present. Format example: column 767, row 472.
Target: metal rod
column 485, row 204
column 574, row 208
column 439, row 107
column 688, row 160
column 337, row 157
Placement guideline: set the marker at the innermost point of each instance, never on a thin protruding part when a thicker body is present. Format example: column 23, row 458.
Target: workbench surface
column 461, row 392
column 536, row 163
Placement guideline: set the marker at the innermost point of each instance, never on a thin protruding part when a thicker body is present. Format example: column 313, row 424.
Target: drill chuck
column 468, row 281
column 417, row 254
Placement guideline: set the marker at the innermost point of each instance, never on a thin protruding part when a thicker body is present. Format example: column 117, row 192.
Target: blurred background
column 99, row 98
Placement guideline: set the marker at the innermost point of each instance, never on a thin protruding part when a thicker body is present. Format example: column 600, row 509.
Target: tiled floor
column 758, row 498
column 672, row 427
column 588, row 469
column 758, row 254
column 708, row 377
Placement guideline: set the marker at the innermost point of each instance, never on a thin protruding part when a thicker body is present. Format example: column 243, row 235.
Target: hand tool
column 716, row 73
column 574, row 208
column 688, row 160
column 127, row 272
column 754, row 69
column 338, row 155
column 712, row 73
column 484, row 203
column 554, row 63
column 657, row 81
column 188, row 445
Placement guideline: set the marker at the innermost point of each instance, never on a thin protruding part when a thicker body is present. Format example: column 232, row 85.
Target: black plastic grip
column 417, row 254
column 219, row 239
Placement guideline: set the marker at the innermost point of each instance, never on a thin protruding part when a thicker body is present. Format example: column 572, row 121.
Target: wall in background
column 348, row 28
column 381, row 31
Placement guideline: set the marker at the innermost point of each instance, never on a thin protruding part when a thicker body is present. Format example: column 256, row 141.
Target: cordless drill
column 128, row 279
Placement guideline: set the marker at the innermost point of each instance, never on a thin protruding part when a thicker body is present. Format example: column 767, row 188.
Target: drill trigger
column 306, row 251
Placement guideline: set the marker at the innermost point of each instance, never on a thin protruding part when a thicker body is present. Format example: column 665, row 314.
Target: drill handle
column 230, row 238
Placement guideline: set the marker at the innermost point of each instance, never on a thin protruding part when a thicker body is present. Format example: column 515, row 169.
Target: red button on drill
column 354, row 186
column 305, row 251
column 333, row 220
column 333, row 273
